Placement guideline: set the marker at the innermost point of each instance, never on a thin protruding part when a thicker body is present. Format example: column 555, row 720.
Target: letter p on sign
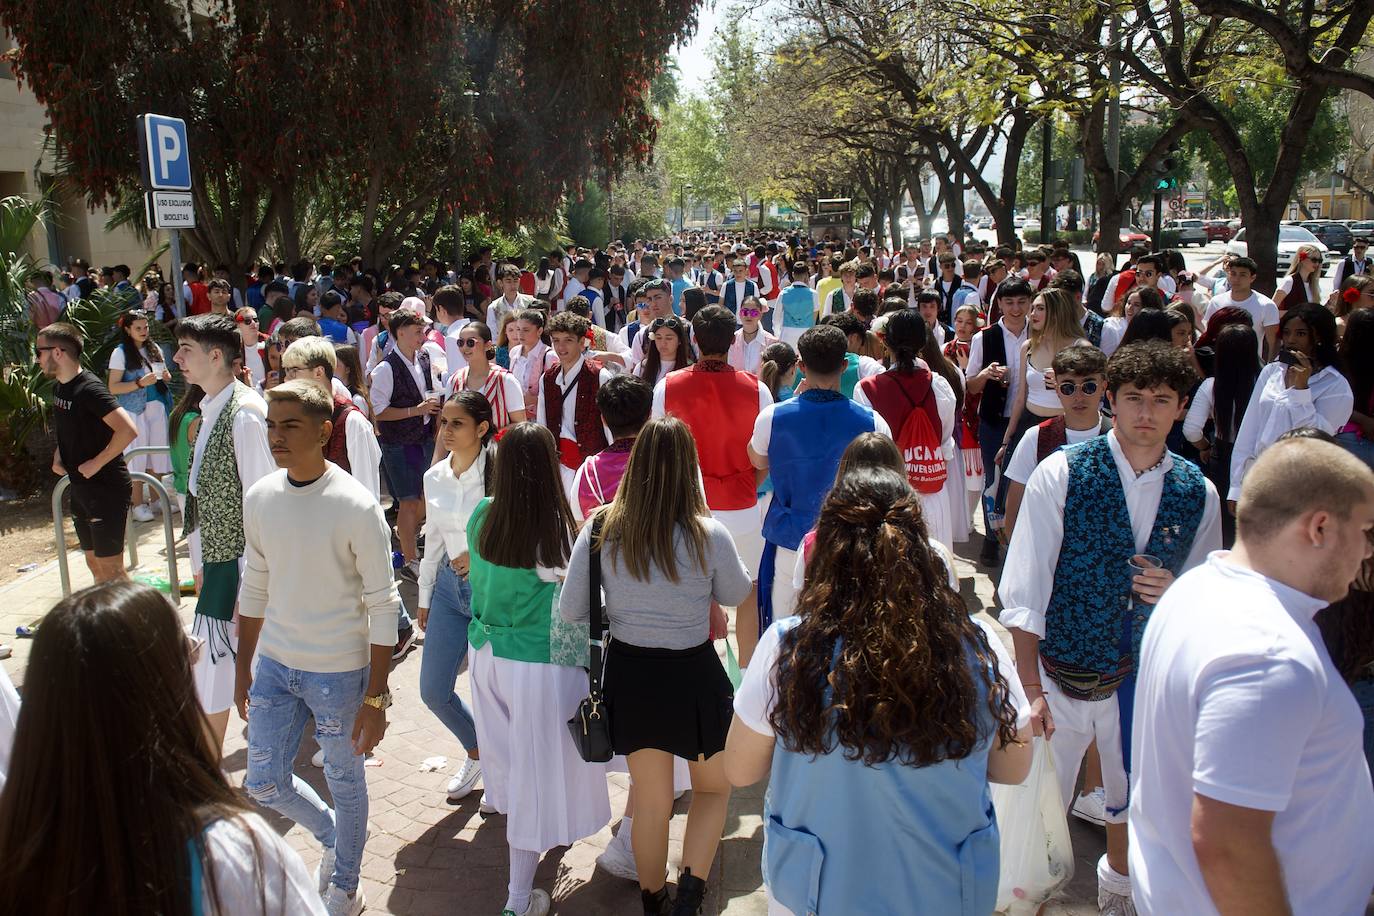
column 165, row 154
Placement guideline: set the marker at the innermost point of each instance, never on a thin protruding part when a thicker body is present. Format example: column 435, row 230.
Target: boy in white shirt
column 1264, row 314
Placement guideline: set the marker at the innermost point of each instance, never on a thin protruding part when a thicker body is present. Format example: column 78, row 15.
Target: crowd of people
column 610, row 455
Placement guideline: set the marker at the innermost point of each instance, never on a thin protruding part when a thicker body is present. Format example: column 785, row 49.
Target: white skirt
column 956, row 492
column 530, row 770
column 152, row 431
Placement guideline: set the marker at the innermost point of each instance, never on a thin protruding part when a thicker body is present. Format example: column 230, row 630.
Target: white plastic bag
column 1037, row 855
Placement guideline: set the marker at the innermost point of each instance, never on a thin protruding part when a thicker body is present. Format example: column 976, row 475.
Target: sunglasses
column 467, row 343
column 750, row 313
column 1067, row 389
column 672, row 324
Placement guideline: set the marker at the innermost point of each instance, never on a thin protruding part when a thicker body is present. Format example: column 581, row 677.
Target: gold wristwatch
column 380, row 701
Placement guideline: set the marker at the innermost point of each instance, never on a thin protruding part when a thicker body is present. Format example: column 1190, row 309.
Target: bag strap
column 594, row 619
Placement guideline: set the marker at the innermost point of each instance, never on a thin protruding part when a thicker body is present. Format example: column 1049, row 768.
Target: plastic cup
column 1139, row 563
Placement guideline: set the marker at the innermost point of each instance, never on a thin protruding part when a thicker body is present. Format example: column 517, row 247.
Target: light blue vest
column 798, row 306
column 844, row 838
column 809, row 434
column 136, row 401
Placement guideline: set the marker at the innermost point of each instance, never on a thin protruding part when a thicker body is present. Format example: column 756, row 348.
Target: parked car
column 1290, row 239
column 1218, row 230
column 1363, row 227
column 1190, row 232
column 1332, row 234
column 1127, row 238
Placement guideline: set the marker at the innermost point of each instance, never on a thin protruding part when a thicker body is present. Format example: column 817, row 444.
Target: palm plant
column 18, row 217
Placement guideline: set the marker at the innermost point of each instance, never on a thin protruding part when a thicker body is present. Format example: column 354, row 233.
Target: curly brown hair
column 902, row 684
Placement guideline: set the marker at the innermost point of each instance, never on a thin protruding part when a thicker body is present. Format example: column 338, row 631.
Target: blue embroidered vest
column 818, row 858
column 808, row 436
column 1092, row 632
column 136, row 401
column 727, row 296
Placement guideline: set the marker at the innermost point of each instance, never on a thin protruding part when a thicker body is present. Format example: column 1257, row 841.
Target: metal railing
column 169, row 533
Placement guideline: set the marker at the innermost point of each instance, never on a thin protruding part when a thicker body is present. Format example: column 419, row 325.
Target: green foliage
column 18, row 217
column 692, row 152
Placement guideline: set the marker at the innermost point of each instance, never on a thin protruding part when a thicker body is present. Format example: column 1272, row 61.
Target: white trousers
column 1076, row 724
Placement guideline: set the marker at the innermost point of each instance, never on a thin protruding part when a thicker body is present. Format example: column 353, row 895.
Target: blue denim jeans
column 280, row 702
column 1364, row 693
column 446, row 644
column 989, row 441
column 1361, row 448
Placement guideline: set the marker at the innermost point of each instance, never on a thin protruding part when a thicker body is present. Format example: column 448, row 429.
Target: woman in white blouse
column 672, row 349
column 1301, row 387
column 453, row 488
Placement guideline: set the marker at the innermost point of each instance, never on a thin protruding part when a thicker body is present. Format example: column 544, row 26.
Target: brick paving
column 427, row 857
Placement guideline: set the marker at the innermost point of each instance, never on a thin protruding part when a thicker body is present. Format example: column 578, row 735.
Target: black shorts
column 100, row 514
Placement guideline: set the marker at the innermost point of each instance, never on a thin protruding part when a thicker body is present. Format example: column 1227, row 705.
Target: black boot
column 691, row 890
column 989, row 554
column 656, row 903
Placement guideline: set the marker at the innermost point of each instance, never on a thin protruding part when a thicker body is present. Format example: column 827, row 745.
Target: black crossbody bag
column 590, row 727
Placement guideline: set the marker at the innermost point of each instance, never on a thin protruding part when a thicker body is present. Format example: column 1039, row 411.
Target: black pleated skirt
column 674, row 700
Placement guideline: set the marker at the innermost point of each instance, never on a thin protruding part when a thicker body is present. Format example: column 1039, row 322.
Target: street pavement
column 427, row 857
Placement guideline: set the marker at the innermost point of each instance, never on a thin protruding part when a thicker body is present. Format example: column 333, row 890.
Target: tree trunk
column 288, row 228
column 894, row 219
column 953, row 188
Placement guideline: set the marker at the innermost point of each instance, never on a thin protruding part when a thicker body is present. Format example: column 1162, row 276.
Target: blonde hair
column 1061, row 327
column 658, row 495
column 311, row 353
column 311, row 398
column 1314, row 254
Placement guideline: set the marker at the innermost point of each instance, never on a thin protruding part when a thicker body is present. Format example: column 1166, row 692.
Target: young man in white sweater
column 323, row 622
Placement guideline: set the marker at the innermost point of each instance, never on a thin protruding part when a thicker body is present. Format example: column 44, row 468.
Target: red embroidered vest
column 336, row 449
column 1052, row 434
column 719, row 404
column 586, row 415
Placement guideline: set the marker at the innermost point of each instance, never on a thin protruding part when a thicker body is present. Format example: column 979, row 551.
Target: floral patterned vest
column 1092, row 629
column 219, row 492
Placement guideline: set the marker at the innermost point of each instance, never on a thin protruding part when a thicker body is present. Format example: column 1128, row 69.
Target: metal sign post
column 166, row 161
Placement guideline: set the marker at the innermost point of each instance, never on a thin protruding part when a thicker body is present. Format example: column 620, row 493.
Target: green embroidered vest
column 219, row 492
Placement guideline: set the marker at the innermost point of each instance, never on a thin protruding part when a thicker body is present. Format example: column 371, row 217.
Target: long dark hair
column 529, row 523
column 1321, row 324
column 905, row 335
column 1234, row 371
column 188, row 403
column 1357, row 356
column 914, row 679
column 1148, row 324
column 109, row 702
column 653, row 362
column 942, row 366
column 135, row 358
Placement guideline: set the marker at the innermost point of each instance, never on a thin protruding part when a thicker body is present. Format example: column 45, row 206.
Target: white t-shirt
column 1238, row 700
column 763, row 428
column 1024, row 459
column 1263, row 312
column 119, row 361
column 239, row 868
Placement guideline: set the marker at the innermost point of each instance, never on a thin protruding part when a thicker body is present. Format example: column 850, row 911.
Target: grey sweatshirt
column 659, row 613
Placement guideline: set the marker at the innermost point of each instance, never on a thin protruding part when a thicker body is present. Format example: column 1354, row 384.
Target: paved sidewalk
column 426, row 857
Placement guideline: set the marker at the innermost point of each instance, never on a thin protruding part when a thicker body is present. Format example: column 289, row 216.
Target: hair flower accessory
column 1302, row 255
column 1351, row 295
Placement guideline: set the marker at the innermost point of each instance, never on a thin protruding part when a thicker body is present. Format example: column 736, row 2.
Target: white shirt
column 449, row 503
column 1263, row 312
column 763, row 428
column 1238, row 700
column 529, row 367
column 1028, row 576
column 1199, row 411
column 252, row 358
column 499, row 307
column 1012, row 343
column 1325, row 403
column 566, row 382
column 247, row 857
column 747, row 355
column 251, row 452
column 1113, row 330
column 383, row 385
column 573, row 288
column 1338, row 275
column 1026, row 456
column 664, row 367
column 364, row 452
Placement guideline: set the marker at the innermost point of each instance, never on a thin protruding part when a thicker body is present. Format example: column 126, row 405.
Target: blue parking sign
column 165, row 153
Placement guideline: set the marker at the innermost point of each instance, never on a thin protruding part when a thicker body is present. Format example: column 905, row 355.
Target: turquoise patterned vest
column 1092, row 631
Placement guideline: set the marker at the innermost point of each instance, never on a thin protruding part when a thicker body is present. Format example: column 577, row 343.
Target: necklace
column 1154, row 466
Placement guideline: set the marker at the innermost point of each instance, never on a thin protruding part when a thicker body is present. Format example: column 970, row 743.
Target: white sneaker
column 325, row 870
column 142, row 513
column 619, row 859
column 538, row 906
column 156, row 507
column 5, row 652
column 483, row 807
column 337, row 903
column 317, row 760
column 1091, row 807
column 465, row 780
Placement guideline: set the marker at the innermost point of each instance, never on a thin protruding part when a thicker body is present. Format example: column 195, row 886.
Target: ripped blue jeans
column 280, row 702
